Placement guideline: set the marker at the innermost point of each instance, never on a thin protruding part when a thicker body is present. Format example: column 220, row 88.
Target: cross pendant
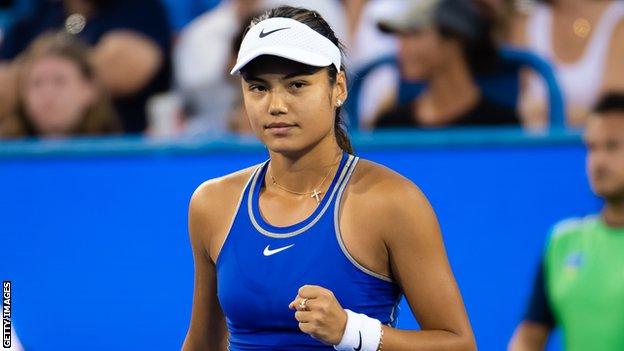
column 315, row 194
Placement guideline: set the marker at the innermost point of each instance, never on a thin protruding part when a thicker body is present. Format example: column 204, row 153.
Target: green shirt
column 584, row 274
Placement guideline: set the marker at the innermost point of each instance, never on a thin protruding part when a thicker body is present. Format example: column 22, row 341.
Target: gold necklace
column 581, row 27
column 75, row 23
column 313, row 194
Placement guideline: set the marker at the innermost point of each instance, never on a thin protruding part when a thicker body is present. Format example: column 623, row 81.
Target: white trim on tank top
column 262, row 231
column 339, row 235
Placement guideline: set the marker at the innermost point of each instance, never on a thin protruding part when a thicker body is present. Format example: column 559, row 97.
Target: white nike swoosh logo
column 268, row 252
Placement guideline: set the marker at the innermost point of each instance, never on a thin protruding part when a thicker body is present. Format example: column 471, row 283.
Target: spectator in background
column 181, row 12
column 203, row 56
column 237, row 120
column 58, row 93
column 584, row 39
column 365, row 40
column 12, row 10
column 445, row 43
column 368, row 44
column 580, row 283
column 130, row 43
column 503, row 13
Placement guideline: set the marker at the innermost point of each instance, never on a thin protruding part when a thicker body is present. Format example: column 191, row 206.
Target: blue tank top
column 261, row 267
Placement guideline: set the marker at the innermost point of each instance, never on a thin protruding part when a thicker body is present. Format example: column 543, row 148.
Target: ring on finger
column 303, row 305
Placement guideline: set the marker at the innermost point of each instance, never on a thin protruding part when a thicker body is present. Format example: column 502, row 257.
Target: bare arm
column 126, row 61
column 420, row 265
column 529, row 337
column 533, row 112
column 353, row 10
column 8, row 87
column 614, row 70
column 207, row 330
column 532, row 333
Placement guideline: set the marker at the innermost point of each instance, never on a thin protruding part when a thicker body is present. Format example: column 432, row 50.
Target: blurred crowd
column 160, row 67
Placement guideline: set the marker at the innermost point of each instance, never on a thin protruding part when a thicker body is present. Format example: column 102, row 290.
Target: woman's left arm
column 420, row 265
column 410, row 232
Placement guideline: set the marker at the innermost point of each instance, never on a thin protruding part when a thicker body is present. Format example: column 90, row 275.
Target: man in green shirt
column 580, row 285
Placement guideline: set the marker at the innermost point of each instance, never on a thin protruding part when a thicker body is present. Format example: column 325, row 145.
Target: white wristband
column 361, row 333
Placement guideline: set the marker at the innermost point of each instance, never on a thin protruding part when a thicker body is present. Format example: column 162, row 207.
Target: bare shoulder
column 617, row 36
column 213, row 191
column 212, row 207
column 384, row 196
column 382, row 184
column 614, row 68
column 619, row 28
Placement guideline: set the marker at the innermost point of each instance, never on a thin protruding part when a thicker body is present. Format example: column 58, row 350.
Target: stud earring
column 338, row 103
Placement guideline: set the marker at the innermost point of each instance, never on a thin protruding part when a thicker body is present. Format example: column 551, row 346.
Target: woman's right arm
column 529, row 336
column 207, row 330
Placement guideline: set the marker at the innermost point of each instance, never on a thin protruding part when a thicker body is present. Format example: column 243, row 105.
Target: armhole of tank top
column 536, row 40
column 597, row 51
column 343, row 247
column 240, row 200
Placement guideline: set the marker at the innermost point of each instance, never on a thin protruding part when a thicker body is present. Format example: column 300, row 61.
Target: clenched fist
column 319, row 314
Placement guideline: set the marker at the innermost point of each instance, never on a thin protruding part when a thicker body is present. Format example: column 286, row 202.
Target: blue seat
column 502, row 86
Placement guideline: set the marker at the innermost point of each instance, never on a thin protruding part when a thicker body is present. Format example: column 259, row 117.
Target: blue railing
column 387, row 139
column 502, row 86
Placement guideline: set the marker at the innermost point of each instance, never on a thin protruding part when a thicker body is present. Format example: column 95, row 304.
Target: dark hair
column 610, row 102
column 481, row 52
column 314, row 20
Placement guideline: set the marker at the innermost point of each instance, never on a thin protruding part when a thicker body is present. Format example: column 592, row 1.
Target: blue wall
column 93, row 233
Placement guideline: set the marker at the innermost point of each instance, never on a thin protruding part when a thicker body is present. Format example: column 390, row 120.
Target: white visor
column 290, row 39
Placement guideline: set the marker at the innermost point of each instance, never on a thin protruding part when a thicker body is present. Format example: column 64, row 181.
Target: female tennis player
column 313, row 249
